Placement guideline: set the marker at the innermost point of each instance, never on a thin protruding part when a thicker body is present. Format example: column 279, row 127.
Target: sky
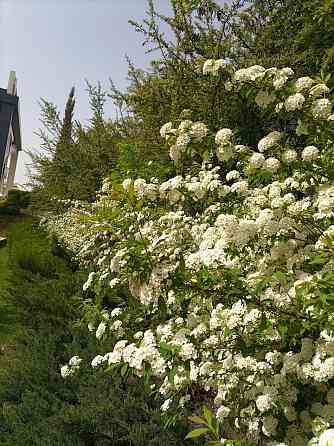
column 55, row 44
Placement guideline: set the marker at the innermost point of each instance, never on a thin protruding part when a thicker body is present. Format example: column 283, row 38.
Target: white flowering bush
column 223, row 275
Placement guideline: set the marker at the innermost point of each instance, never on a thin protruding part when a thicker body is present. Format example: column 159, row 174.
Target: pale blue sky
column 54, row 44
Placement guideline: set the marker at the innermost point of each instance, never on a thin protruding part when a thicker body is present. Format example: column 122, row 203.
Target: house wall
column 10, row 134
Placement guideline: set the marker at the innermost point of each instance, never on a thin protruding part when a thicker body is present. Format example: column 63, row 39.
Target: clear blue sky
column 54, row 44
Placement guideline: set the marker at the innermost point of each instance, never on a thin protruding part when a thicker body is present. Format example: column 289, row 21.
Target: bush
column 30, row 250
column 15, row 202
column 37, row 405
column 223, row 275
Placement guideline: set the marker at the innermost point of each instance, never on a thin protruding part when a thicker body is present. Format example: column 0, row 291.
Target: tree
column 74, row 158
column 243, row 33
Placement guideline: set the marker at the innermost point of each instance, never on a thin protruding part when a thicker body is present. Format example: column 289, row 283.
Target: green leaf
column 124, row 369
column 196, row 419
column 208, row 415
column 167, row 347
column 197, row 432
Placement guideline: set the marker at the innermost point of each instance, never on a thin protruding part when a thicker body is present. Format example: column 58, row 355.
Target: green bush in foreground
column 37, row 406
column 223, row 275
column 15, row 201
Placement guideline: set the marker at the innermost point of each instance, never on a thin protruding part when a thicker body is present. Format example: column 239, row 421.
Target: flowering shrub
column 224, row 273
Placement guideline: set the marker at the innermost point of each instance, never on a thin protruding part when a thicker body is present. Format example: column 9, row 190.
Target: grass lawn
column 9, row 325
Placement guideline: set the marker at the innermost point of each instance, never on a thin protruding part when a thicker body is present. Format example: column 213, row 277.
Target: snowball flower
column 116, row 325
column 240, row 187
column 310, row 153
column 65, row 371
column 213, row 66
column 97, row 360
column 75, row 361
column 264, row 403
column 182, row 141
column 223, row 136
column 289, row 156
column 269, row 141
column 89, row 281
column 139, row 186
column 165, row 406
column 113, row 282
column 281, row 76
column 279, row 106
column 126, row 184
column 198, row 130
column 219, row 63
column 321, row 108
column 100, row 330
column 257, row 160
column 208, row 338
column 105, row 186
column 303, row 83
column 325, row 201
column 165, row 129
column 294, row 102
column 188, row 351
column 318, row 90
column 223, row 412
column 228, row 86
column 327, row 438
column 272, row 164
column 116, row 312
column 185, row 125
column 208, row 66
column 249, row 74
column 232, row 175
column 105, row 315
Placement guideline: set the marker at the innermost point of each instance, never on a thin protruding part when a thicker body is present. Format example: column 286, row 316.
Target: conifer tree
column 67, row 125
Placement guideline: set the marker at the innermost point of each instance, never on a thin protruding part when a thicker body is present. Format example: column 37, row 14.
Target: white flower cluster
column 223, row 294
column 294, row 102
column 309, row 95
column 212, row 66
column 71, row 367
column 180, row 138
column 269, row 141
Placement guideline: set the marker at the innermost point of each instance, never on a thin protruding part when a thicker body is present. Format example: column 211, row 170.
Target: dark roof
column 9, row 115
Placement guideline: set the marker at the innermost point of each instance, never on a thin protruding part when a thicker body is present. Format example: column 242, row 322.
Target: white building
column 10, row 134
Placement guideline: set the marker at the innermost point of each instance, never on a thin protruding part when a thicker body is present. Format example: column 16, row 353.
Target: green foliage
column 75, row 158
column 303, row 45
column 211, row 431
column 31, row 252
column 15, row 202
column 243, row 33
column 130, row 163
column 37, row 405
column 82, row 411
column 208, row 420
